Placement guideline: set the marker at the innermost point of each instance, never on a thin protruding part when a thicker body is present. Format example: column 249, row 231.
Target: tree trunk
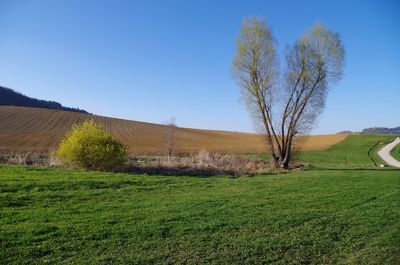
column 275, row 161
column 285, row 163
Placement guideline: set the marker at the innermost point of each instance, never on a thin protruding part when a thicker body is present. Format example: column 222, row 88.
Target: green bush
column 88, row 146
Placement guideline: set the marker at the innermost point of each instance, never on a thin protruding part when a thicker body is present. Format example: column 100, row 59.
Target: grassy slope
column 314, row 216
column 396, row 152
column 350, row 153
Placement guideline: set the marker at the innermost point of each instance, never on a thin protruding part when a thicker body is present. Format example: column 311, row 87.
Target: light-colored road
column 384, row 153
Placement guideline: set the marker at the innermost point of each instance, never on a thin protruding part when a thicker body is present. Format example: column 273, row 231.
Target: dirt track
column 384, row 153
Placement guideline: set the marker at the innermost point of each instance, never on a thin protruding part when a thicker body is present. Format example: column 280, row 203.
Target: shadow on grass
column 183, row 171
column 353, row 169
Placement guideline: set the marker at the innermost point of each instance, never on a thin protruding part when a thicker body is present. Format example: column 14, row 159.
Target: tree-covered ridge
column 9, row 97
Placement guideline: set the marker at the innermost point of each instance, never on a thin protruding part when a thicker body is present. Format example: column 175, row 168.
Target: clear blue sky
column 151, row 60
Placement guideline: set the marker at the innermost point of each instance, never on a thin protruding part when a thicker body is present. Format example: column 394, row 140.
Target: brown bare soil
column 25, row 129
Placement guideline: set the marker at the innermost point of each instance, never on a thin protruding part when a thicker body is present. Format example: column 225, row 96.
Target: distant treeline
column 382, row 130
column 9, row 97
column 376, row 130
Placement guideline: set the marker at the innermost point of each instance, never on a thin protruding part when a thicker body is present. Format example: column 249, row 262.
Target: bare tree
column 170, row 130
column 287, row 105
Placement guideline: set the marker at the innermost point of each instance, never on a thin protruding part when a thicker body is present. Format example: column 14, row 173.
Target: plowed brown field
column 25, row 129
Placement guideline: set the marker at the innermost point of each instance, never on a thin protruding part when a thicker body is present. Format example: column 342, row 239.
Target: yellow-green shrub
column 87, row 145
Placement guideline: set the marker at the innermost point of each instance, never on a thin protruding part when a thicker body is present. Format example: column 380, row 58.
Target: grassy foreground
column 318, row 216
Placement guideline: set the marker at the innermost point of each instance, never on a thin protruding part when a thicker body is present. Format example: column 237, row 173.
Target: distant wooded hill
column 376, row 130
column 9, row 97
column 382, row 130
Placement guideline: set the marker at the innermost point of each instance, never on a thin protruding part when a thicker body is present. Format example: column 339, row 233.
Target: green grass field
column 352, row 153
column 335, row 215
column 396, row 152
column 355, row 152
